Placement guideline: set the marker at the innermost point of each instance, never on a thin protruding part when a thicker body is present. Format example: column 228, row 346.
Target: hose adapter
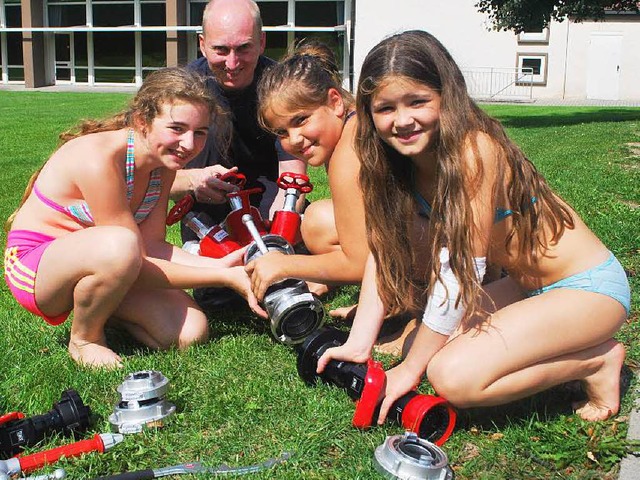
column 408, row 457
column 68, row 416
column 294, row 311
column 142, row 403
column 431, row 417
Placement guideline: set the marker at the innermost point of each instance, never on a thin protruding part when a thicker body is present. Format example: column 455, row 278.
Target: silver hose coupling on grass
column 142, row 403
column 407, row 457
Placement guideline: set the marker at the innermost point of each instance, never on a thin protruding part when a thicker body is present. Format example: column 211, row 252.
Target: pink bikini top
column 80, row 212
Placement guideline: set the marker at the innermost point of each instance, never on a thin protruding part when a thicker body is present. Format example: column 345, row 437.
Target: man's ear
column 263, row 42
column 335, row 102
column 203, row 46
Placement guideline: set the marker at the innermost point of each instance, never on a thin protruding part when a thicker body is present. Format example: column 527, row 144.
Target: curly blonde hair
column 164, row 86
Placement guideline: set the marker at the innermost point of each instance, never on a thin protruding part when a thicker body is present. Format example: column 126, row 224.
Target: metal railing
column 500, row 84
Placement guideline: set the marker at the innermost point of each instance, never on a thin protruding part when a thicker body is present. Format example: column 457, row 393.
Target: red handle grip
column 244, row 194
column 38, row 460
column 373, row 384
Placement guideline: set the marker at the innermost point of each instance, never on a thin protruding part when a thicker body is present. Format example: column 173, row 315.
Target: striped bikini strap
column 130, row 165
column 152, row 194
column 150, row 197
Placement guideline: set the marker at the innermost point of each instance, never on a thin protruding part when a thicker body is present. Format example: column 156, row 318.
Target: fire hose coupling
column 294, row 312
column 408, row 457
column 142, row 402
column 68, row 416
column 431, row 417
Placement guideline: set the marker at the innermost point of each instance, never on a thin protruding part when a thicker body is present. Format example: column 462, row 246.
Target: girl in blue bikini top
column 551, row 320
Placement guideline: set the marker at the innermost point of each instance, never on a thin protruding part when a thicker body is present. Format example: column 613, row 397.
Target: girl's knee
column 195, row 330
column 119, row 251
column 318, row 228
column 454, row 380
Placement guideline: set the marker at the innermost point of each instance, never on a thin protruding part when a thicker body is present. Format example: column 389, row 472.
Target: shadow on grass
column 547, row 405
column 557, row 117
column 236, row 319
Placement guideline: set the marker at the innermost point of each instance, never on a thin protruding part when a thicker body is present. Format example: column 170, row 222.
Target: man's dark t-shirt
column 253, row 150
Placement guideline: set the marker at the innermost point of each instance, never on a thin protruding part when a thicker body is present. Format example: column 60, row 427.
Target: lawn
column 239, row 399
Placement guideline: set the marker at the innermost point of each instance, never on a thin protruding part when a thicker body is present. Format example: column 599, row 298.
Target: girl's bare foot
column 319, row 289
column 399, row 342
column 93, row 354
column 603, row 386
column 344, row 313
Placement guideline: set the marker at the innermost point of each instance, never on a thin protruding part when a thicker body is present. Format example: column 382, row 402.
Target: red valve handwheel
column 180, row 209
column 299, row 181
column 234, row 178
column 244, row 194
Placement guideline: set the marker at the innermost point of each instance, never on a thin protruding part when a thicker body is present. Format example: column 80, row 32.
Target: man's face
column 232, row 46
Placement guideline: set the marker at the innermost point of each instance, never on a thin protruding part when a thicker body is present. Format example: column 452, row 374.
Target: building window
column 11, row 43
column 121, row 41
column 540, row 38
column 532, row 68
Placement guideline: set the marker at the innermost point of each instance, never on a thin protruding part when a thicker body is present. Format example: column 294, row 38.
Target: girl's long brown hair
column 387, row 182
column 163, row 86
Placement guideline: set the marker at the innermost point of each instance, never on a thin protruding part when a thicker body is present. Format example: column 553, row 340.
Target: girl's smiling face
column 310, row 134
column 178, row 133
column 406, row 115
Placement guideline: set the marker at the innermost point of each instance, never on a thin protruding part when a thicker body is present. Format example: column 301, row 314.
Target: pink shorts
column 21, row 258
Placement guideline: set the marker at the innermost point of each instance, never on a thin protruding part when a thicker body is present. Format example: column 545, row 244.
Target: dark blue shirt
column 253, row 150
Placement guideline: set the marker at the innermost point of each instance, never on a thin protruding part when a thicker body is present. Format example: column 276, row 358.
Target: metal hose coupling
column 142, row 403
column 408, row 457
column 293, row 310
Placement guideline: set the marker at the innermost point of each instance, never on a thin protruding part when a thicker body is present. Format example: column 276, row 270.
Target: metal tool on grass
column 27, row 463
column 196, row 467
column 58, row 474
column 407, row 457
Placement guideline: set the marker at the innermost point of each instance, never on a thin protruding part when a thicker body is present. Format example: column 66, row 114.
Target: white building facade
column 589, row 60
column 103, row 42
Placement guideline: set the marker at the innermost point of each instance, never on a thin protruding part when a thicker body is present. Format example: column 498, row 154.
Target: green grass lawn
column 239, row 399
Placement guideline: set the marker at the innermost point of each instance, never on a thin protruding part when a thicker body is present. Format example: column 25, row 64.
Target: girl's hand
column 400, row 380
column 265, row 271
column 239, row 281
column 233, row 259
column 349, row 352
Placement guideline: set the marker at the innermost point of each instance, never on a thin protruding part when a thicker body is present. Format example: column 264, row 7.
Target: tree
column 534, row 15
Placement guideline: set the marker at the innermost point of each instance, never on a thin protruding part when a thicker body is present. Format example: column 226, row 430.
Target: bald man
column 232, row 44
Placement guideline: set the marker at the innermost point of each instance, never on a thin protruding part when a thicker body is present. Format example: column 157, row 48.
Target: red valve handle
column 244, row 194
column 180, row 209
column 299, row 181
column 9, row 417
column 234, row 178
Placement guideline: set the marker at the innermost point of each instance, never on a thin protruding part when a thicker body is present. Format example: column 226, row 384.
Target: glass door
column 64, row 58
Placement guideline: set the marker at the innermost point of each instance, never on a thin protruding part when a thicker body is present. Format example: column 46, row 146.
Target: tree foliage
column 534, row 15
